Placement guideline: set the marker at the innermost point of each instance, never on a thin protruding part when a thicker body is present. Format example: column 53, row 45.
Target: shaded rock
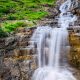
column 76, row 10
column 53, row 12
column 2, row 43
column 9, row 53
column 74, row 5
column 10, row 42
column 2, row 53
column 6, row 74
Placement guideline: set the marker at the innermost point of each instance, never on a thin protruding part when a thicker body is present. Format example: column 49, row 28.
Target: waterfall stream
column 52, row 47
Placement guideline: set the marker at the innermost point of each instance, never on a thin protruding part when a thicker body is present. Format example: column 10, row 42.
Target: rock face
column 54, row 12
column 75, row 8
column 17, row 59
column 74, row 39
column 75, row 3
column 74, row 55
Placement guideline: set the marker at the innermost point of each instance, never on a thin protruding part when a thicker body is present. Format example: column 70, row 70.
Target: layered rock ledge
column 74, row 54
column 17, row 59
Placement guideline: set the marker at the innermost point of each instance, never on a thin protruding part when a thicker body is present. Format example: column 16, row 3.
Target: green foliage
column 6, row 6
column 9, row 27
column 51, row 2
column 36, row 15
column 23, row 9
column 3, row 33
column 19, row 10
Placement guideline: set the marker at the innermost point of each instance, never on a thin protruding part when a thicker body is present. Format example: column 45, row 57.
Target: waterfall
column 52, row 44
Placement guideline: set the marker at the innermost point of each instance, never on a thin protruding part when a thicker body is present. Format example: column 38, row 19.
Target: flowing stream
column 52, row 47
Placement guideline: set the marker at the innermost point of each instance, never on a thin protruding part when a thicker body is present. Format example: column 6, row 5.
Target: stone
column 23, row 52
column 74, row 55
column 2, row 43
column 10, row 42
column 74, row 39
column 9, row 53
column 22, row 39
column 2, row 52
column 13, row 67
column 19, row 69
column 5, row 75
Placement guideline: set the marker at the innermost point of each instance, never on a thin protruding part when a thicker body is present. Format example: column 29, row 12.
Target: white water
column 52, row 44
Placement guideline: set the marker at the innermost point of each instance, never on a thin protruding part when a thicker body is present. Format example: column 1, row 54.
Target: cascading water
column 51, row 44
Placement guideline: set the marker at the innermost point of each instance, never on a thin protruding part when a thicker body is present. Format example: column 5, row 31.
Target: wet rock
column 74, row 3
column 77, row 9
column 75, row 72
column 53, row 12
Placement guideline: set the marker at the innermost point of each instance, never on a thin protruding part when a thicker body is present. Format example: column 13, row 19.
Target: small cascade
column 52, row 44
column 58, row 43
column 40, row 38
column 66, row 17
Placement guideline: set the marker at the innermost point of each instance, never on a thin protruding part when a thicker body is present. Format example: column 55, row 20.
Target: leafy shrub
column 23, row 9
column 11, row 17
column 2, row 33
column 36, row 15
column 47, row 1
column 6, row 6
column 9, row 27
